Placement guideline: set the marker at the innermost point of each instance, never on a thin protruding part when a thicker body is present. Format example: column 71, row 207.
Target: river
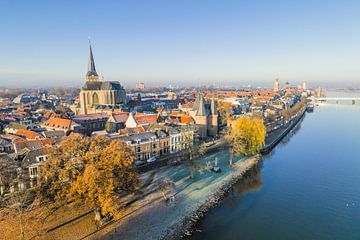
column 308, row 187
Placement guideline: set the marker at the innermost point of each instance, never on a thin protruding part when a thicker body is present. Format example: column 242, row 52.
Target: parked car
column 139, row 162
column 152, row 159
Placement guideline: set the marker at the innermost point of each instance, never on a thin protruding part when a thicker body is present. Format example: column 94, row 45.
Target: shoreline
column 185, row 227
column 268, row 147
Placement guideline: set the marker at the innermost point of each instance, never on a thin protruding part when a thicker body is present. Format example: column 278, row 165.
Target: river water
column 308, row 187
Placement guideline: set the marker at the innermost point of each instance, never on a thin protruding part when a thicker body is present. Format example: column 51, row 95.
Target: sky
column 180, row 42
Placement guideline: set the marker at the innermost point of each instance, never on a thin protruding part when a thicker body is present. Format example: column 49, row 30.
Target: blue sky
column 180, row 42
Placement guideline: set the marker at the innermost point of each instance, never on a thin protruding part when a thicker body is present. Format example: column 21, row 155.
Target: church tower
column 97, row 96
column 91, row 74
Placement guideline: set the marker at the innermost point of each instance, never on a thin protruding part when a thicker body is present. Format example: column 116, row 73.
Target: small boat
column 310, row 107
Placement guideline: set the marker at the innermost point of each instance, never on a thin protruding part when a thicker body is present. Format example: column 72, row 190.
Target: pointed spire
column 196, row 103
column 201, row 109
column 91, row 74
column 213, row 108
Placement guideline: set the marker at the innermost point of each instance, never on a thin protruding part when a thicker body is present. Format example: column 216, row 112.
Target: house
column 13, row 138
column 145, row 145
column 56, row 135
column 32, row 144
column 140, row 120
column 32, row 162
column 148, row 144
column 12, row 176
column 117, row 121
column 174, row 136
column 131, row 131
column 91, row 122
column 13, row 127
column 28, row 135
column 6, row 146
column 61, row 124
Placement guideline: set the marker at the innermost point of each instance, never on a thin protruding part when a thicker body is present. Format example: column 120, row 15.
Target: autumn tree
column 94, row 171
column 246, row 135
column 224, row 109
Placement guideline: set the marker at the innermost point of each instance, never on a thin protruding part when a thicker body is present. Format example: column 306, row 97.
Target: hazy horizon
column 182, row 43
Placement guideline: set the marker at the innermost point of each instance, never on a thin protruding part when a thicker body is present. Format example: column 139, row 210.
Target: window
column 41, row 158
column 33, row 172
column 95, row 99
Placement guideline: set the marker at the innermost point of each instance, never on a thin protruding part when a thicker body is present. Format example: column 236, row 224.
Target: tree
column 191, row 149
column 94, row 171
column 246, row 136
column 165, row 185
column 224, row 109
column 19, row 201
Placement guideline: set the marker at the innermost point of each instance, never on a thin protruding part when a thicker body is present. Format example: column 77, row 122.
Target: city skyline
column 181, row 43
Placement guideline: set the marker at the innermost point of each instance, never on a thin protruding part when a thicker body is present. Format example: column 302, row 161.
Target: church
column 100, row 96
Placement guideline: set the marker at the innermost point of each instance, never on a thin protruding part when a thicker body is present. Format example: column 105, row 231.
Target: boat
column 310, row 107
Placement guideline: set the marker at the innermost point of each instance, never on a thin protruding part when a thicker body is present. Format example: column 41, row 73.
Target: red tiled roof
column 134, row 130
column 28, row 134
column 120, row 116
column 146, row 119
column 13, row 138
column 34, row 144
column 186, row 120
column 58, row 123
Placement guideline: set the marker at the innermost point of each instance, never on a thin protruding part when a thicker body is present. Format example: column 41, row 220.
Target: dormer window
column 41, row 158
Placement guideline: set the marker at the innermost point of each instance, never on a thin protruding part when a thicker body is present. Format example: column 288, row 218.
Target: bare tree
column 165, row 185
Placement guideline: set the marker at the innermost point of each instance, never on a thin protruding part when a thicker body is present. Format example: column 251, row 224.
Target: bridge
column 322, row 99
column 337, row 98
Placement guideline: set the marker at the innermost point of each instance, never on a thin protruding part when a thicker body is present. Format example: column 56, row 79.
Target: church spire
column 91, row 74
column 213, row 107
column 201, row 108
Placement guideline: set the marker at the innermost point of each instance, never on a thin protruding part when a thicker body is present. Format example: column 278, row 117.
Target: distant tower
column 140, row 86
column 304, row 86
column 287, row 85
column 276, row 85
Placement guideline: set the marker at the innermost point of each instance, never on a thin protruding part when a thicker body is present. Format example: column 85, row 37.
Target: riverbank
column 185, row 226
column 156, row 219
column 276, row 136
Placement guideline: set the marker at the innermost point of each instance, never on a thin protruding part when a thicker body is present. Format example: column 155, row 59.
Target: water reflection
column 250, row 182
